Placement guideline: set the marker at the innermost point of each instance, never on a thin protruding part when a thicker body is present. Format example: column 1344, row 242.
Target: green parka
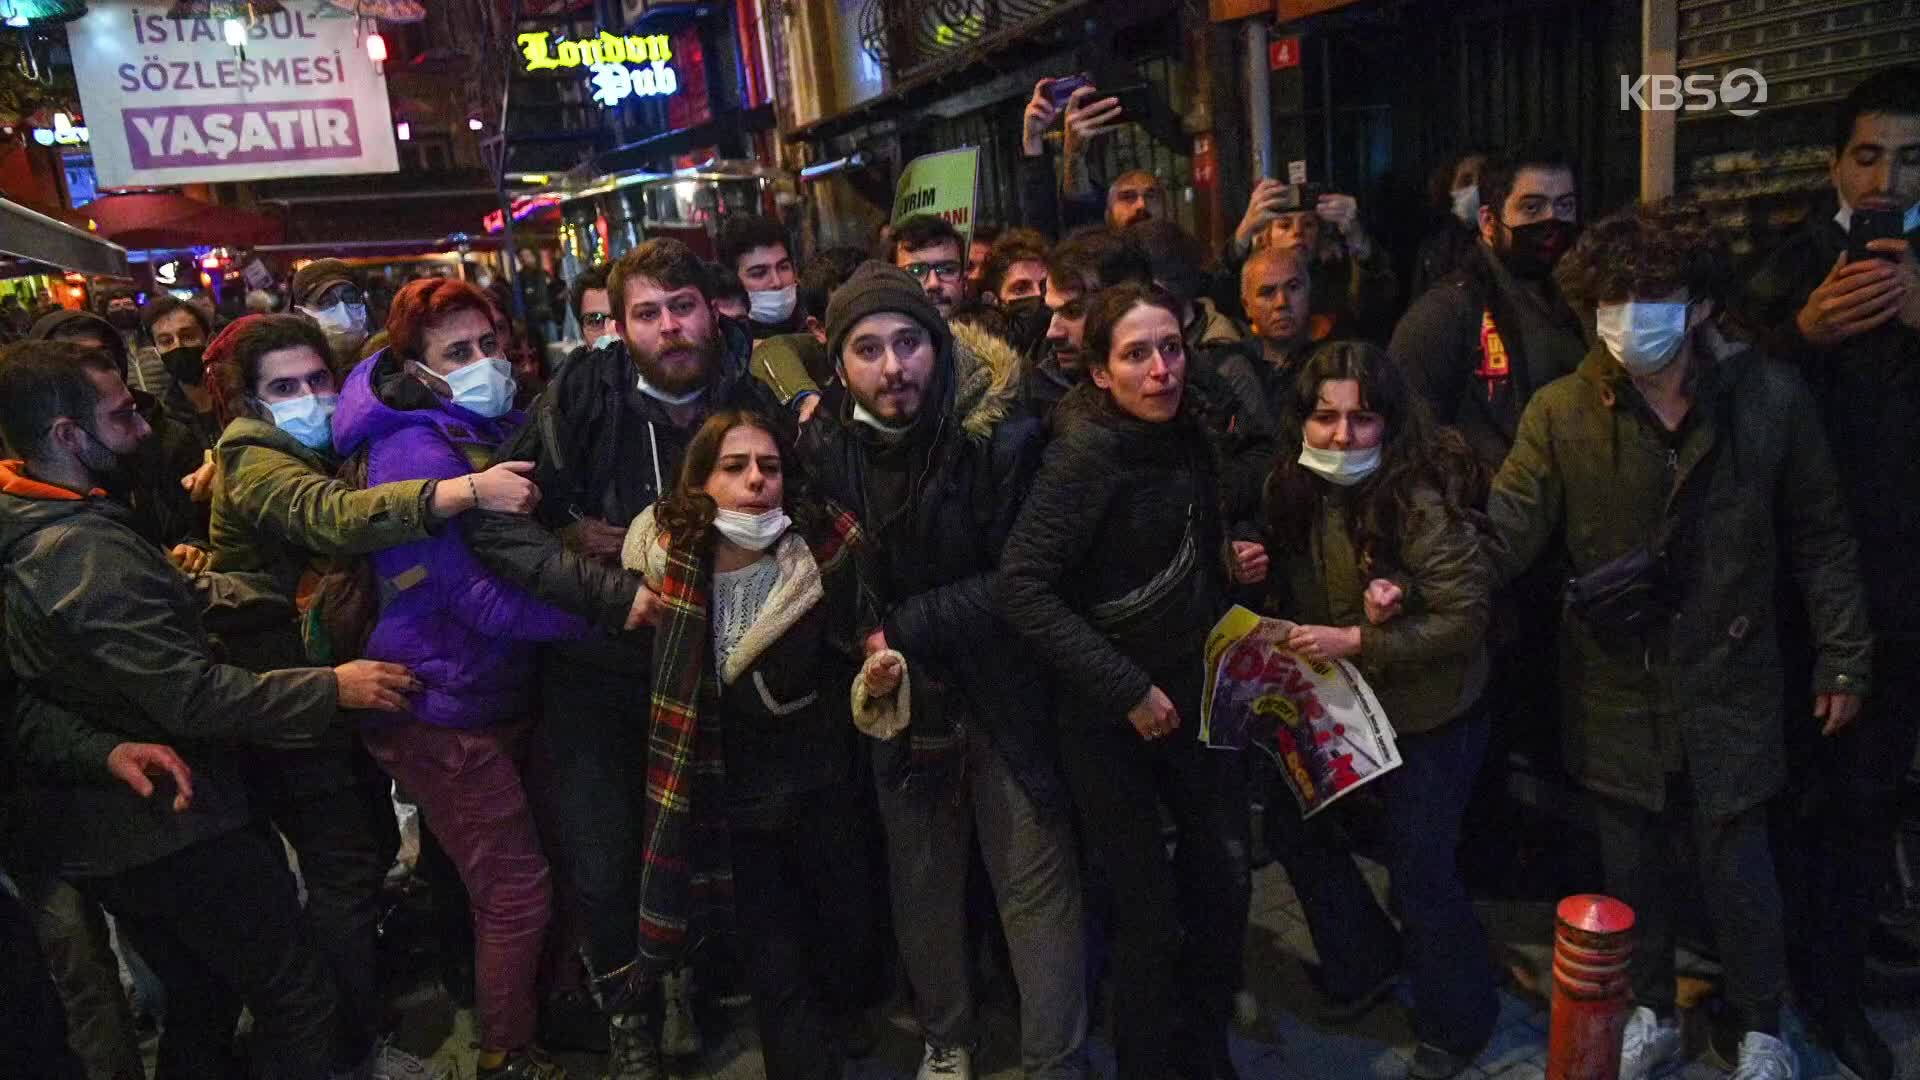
column 1428, row 664
column 1592, row 468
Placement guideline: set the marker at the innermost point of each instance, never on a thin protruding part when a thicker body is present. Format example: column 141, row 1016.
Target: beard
column 678, row 364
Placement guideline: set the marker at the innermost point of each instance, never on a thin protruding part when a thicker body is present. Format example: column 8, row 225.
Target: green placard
column 943, row 184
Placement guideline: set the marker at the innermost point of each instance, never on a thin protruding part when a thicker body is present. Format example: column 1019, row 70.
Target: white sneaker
column 1647, row 1044
column 1764, row 1057
column 679, row 1034
column 392, row 1063
column 945, row 1063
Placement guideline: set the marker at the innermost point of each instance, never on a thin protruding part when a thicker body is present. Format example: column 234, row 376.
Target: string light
column 235, row 31
column 376, row 48
column 403, row 131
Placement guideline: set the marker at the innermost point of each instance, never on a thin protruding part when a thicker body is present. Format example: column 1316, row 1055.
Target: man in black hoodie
column 1853, row 328
column 926, row 448
column 607, row 439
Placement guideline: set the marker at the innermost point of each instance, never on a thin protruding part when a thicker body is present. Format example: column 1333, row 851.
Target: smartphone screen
column 1060, row 89
column 1869, row 225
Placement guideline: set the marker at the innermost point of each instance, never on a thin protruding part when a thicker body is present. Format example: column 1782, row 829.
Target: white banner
column 169, row 101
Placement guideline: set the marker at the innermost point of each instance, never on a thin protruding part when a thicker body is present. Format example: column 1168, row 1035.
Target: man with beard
column 178, row 331
column 329, row 292
column 607, row 440
column 928, row 248
column 101, row 627
column 1481, row 342
column 156, row 481
column 1478, row 346
column 924, row 451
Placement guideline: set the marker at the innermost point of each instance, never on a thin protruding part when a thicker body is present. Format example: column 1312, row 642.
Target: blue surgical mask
column 772, row 307
column 604, row 340
column 308, row 419
column 484, row 387
column 1643, row 337
column 1466, row 204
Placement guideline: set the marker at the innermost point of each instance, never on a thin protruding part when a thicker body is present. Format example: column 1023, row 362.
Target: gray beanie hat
column 874, row 288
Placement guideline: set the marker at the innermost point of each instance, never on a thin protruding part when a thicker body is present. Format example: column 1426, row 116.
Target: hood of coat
column 798, row 590
column 380, row 398
column 1210, row 327
column 28, row 505
column 987, row 370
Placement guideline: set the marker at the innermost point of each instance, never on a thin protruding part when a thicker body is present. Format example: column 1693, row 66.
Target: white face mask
column 770, row 307
column 1343, row 467
column 755, row 532
column 1644, row 337
column 308, row 419
column 484, row 387
column 1466, row 204
column 1844, row 216
column 340, row 320
column 658, row 394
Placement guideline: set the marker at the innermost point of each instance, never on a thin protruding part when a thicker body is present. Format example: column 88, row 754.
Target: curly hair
column 687, row 512
column 232, row 359
column 1645, row 251
column 1417, row 455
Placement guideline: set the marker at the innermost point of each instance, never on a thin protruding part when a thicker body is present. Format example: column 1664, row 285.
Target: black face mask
column 184, row 364
column 124, row 320
column 1027, row 320
column 1532, row 249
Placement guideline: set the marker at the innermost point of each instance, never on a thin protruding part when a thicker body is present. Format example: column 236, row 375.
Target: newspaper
column 1319, row 721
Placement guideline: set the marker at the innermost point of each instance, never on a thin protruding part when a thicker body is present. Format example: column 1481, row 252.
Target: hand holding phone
column 1060, row 89
column 1868, row 226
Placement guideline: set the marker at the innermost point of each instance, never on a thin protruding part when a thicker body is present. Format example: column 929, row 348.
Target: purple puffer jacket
column 466, row 634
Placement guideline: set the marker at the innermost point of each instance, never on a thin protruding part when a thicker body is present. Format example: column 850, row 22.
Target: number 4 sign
column 1283, row 53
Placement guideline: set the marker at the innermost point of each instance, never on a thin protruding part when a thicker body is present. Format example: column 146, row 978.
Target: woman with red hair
column 432, row 405
column 280, row 512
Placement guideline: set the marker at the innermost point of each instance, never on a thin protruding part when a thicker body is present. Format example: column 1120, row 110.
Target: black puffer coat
column 1118, row 503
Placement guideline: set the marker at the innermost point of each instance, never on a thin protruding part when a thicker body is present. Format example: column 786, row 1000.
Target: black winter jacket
column 601, row 449
column 1439, row 344
column 1117, row 503
column 931, row 572
column 99, row 624
column 1868, row 390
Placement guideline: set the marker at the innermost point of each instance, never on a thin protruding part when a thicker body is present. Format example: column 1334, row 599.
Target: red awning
column 148, row 221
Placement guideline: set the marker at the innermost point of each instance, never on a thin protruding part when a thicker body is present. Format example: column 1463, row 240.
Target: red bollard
column 1592, row 994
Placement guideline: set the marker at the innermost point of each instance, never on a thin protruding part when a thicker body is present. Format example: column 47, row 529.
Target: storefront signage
column 171, row 103
column 63, row 133
column 943, row 184
column 622, row 66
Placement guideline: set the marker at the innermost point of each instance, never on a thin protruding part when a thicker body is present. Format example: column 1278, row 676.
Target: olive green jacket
column 278, row 505
column 1594, row 470
column 1428, row 665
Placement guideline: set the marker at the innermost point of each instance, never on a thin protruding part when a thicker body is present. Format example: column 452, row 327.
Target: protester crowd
column 716, row 657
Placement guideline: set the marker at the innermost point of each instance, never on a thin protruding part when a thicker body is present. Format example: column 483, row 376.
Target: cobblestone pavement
column 1282, row 1045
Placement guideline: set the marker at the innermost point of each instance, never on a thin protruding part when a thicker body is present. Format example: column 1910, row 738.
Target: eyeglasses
column 594, row 320
column 945, row 271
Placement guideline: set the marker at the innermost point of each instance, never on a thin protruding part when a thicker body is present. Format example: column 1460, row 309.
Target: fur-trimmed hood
column 986, row 375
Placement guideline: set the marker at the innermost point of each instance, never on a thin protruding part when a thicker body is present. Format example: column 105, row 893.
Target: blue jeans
column 1454, row 1005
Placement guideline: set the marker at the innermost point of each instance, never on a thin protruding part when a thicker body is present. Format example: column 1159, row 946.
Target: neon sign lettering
column 622, row 67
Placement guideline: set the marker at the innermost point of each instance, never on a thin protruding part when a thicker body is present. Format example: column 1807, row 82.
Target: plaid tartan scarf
column 686, row 874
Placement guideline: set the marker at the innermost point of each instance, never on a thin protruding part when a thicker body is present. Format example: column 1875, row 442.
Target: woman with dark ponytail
column 1376, row 561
